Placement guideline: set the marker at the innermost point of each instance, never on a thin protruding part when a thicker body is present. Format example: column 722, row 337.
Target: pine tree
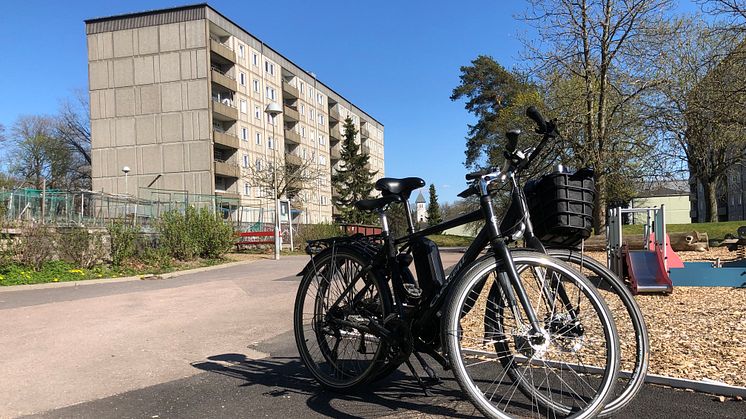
column 352, row 179
column 433, row 209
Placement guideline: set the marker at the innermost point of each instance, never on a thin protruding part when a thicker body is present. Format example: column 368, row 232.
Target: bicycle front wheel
column 338, row 298
column 565, row 369
column 630, row 325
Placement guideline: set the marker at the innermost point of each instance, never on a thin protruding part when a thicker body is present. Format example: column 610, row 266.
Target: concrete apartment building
column 178, row 96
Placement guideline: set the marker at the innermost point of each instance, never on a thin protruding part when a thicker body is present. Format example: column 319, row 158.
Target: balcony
column 292, row 159
column 226, row 169
column 365, row 149
column 225, row 139
column 223, row 79
column 334, row 136
column 292, row 137
column 334, row 113
column 364, row 131
column 335, row 153
column 290, row 114
column 222, row 50
column 224, row 111
column 291, row 90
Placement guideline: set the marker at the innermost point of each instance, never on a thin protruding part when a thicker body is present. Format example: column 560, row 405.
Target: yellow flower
column 76, row 271
column 1, row 277
column 56, row 280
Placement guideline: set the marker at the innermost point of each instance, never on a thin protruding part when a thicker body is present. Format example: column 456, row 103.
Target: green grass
column 447, row 240
column 715, row 231
column 59, row 271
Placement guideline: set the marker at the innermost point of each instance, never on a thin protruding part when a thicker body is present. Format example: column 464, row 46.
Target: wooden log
column 691, row 241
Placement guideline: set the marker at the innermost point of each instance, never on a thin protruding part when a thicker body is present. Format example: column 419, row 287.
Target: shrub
column 123, row 242
column 36, row 246
column 81, row 247
column 215, row 235
column 194, row 233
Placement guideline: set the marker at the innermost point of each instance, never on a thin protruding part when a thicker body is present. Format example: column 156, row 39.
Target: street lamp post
column 126, row 170
column 273, row 109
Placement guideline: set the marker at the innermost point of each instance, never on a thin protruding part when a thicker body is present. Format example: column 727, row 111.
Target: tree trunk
column 599, row 205
column 711, row 200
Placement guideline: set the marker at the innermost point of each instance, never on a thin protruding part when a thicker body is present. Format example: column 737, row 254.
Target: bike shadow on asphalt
column 285, row 376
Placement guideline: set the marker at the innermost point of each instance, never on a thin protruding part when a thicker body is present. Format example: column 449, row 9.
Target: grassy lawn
column 715, row 231
column 58, row 271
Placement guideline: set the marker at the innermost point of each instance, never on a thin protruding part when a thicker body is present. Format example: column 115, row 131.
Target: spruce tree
column 352, row 179
column 433, row 209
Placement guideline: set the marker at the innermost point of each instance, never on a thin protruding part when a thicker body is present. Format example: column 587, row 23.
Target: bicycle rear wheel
column 566, row 370
column 630, row 324
column 337, row 299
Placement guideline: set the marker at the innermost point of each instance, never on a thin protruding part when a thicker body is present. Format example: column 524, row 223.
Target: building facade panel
column 178, row 95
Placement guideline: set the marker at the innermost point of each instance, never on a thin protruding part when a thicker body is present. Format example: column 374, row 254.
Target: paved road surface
column 214, row 344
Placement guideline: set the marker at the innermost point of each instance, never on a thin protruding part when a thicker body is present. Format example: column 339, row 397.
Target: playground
column 696, row 332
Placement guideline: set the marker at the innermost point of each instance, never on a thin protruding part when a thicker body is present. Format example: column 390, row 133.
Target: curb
column 168, row 275
column 703, row 386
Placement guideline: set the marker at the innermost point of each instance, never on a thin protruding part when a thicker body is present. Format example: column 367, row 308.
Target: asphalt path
column 230, row 385
column 210, row 345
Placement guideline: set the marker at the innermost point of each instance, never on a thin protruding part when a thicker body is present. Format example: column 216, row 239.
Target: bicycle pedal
column 413, row 291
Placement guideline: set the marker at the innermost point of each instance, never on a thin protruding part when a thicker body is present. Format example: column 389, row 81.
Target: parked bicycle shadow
column 285, row 376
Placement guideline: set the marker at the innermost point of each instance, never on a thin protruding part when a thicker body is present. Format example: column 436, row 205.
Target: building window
column 243, row 106
column 246, row 161
column 311, row 115
column 302, row 109
column 258, row 164
column 246, row 189
column 244, row 133
column 256, row 86
column 303, row 131
column 319, row 98
column 270, row 93
column 240, row 51
column 324, row 200
column 255, row 59
column 322, row 160
column 269, row 67
column 300, row 87
column 259, row 138
column 257, row 112
column 321, row 119
column 322, row 141
column 242, row 79
column 270, row 143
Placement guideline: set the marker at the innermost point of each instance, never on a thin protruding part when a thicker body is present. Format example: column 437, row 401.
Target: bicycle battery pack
column 429, row 268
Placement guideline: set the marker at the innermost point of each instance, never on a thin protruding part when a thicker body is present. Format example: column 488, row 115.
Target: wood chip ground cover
column 695, row 333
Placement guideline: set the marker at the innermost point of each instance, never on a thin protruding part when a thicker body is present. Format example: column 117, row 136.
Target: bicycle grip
column 536, row 116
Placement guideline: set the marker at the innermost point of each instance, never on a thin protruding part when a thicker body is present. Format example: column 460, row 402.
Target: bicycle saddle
column 402, row 187
column 376, row 203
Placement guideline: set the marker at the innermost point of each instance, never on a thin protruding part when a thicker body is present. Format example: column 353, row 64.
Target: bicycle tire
column 329, row 271
column 531, row 351
column 638, row 359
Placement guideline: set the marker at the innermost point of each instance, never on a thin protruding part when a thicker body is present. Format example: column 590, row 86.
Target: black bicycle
column 524, row 334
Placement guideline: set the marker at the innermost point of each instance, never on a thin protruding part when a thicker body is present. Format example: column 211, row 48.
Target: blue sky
column 398, row 61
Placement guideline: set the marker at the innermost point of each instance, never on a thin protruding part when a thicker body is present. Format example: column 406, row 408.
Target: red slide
column 647, row 273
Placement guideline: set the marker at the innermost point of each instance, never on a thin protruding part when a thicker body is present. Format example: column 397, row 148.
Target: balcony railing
column 225, row 139
column 222, row 50
column 224, row 111
column 223, row 79
column 334, row 113
column 293, row 160
column 364, row 131
column 290, row 114
column 291, row 90
column 292, row 137
column 223, row 168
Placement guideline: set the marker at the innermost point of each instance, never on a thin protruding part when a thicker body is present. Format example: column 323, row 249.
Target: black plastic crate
column 561, row 207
